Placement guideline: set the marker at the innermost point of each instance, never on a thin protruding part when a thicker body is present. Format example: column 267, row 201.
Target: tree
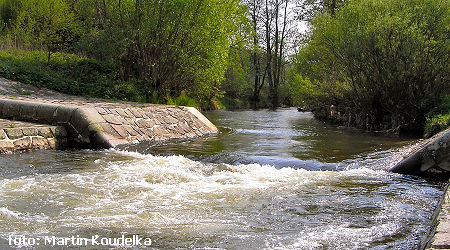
column 381, row 60
column 8, row 11
column 308, row 9
column 46, row 23
column 275, row 29
column 259, row 68
column 170, row 45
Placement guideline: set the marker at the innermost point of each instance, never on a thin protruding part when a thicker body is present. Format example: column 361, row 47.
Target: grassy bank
column 74, row 75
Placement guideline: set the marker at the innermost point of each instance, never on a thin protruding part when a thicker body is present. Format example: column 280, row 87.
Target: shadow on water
column 282, row 138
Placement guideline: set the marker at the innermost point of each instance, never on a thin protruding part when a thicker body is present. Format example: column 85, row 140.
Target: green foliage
column 441, row 105
column 381, row 59
column 182, row 100
column 74, row 75
column 436, row 124
column 47, row 24
column 171, row 45
column 8, row 11
column 298, row 91
column 438, row 118
column 128, row 90
column 25, row 92
column 237, row 83
column 66, row 73
column 157, row 48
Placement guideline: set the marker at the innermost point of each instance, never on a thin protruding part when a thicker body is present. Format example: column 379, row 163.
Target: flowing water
column 270, row 180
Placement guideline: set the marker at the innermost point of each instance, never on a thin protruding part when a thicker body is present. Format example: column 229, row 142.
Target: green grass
column 69, row 74
column 75, row 75
column 25, row 92
column 436, row 124
column 65, row 73
column 183, row 100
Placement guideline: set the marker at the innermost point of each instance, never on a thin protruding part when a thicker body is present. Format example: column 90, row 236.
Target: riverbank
column 274, row 179
column 434, row 120
column 94, row 123
column 71, row 74
column 283, row 131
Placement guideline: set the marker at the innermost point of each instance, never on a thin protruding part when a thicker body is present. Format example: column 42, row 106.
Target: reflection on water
column 272, row 180
column 282, row 138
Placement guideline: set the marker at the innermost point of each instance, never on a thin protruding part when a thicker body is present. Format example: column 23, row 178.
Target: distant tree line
column 374, row 64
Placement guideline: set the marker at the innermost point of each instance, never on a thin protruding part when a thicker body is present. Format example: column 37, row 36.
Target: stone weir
column 95, row 124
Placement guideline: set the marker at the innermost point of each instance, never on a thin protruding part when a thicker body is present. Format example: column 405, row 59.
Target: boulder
column 431, row 158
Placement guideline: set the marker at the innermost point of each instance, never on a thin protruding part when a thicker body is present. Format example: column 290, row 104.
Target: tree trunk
column 49, row 54
column 256, row 89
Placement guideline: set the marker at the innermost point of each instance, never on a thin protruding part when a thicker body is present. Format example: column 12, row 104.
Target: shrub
column 182, row 100
column 438, row 118
column 381, row 59
column 436, row 124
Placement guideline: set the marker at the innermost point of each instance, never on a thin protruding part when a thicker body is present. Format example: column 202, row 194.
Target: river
column 270, row 180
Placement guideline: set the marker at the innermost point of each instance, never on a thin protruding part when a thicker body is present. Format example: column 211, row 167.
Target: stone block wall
column 106, row 125
column 151, row 123
column 32, row 138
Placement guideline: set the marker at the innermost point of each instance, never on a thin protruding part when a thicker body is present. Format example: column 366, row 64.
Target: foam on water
column 179, row 201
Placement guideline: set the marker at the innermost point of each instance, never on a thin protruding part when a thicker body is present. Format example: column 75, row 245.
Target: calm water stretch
column 271, row 179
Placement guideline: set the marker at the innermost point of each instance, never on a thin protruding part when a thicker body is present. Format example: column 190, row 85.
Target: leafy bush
column 380, row 59
column 441, row 106
column 436, row 124
column 66, row 73
column 126, row 91
column 182, row 100
column 438, row 118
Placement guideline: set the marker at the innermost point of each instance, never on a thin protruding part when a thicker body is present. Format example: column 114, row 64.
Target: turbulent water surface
column 271, row 179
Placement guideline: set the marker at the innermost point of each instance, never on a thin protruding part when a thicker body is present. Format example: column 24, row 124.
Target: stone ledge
column 106, row 125
column 32, row 138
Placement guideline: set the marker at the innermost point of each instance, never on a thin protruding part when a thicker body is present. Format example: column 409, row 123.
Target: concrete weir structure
column 439, row 234
column 99, row 124
column 23, row 136
column 429, row 158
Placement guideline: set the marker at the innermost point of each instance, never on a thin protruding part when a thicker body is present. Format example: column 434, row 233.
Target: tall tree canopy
column 384, row 60
column 168, row 46
column 172, row 45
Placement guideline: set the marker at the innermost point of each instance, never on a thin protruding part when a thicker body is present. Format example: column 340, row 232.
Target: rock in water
column 432, row 158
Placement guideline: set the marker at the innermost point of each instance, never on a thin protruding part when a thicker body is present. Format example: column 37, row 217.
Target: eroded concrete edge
column 202, row 118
